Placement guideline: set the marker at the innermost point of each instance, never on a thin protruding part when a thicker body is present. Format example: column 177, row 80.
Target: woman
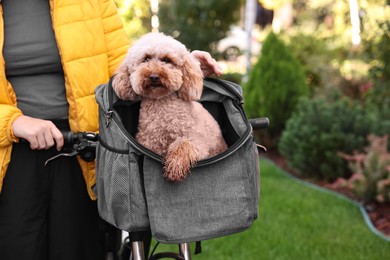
column 55, row 52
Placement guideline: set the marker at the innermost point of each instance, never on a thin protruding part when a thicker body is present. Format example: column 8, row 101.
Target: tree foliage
column 275, row 84
column 198, row 23
column 136, row 16
column 331, row 19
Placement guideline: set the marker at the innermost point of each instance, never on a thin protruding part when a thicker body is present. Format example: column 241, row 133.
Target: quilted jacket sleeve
column 8, row 114
column 116, row 40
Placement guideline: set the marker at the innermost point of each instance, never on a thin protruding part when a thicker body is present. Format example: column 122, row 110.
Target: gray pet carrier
column 218, row 198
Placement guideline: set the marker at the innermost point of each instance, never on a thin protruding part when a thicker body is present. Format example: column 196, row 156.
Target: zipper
column 108, row 117
column 113, row 117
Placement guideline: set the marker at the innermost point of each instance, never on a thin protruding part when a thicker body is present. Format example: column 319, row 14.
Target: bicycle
column 84, row 144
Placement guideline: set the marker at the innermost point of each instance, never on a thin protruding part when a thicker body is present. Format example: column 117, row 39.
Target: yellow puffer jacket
column 92, row 43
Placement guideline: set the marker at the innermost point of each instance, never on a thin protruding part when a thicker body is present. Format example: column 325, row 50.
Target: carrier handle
column 232, row 87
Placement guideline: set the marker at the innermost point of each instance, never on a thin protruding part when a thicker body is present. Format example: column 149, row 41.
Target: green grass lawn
column 298, row 222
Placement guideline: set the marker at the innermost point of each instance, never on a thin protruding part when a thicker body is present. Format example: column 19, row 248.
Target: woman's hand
column 41, row 134
column 208, row 65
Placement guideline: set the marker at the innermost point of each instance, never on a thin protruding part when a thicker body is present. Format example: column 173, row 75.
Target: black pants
column 45, row 212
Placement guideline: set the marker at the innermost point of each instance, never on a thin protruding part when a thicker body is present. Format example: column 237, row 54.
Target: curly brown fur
column 161, row 71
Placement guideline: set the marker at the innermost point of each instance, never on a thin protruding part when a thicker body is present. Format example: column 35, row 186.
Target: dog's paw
column 179, row 161
column 175, row 172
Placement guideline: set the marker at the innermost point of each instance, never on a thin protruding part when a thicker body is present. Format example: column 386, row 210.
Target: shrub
column 317, row 58
column 275, row 85
column 318, row 130
column 371, row 171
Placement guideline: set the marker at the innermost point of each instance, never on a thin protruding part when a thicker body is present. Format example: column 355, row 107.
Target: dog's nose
column 154, row 78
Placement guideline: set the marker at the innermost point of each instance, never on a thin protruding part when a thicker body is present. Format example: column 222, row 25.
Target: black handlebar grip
column 71, row 138
column 259, row 123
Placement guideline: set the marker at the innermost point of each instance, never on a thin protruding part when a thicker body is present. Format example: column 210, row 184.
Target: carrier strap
column 198, row 247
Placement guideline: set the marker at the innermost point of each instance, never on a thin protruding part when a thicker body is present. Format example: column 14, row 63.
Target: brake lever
column 77, row 149
column 75, row 152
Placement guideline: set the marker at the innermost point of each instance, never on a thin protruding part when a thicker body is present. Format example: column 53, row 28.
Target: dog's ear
column 192, row 79
column 121, row 83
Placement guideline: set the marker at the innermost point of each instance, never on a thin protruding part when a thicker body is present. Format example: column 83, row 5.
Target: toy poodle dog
column 161, row 72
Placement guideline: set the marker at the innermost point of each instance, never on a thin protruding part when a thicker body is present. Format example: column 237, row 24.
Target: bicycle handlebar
column 80, row 143
column 259, row 123
column 71, row 138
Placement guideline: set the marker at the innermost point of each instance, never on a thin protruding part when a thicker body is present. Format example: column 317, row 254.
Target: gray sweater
column 33, row 63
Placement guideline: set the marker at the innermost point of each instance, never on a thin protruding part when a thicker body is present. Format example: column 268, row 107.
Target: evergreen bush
column 318, row 130
column 275, row 84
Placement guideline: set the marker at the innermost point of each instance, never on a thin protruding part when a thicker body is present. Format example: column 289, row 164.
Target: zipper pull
column 108, row 118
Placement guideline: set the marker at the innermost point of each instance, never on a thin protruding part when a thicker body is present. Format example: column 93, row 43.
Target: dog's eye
column 146, row 59
column 166, row 60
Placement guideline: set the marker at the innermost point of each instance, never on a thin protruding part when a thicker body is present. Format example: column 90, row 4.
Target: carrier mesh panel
column 121, row 199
